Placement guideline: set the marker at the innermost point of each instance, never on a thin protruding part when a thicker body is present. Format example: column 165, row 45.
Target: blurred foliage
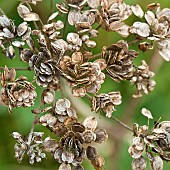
column 20, row 120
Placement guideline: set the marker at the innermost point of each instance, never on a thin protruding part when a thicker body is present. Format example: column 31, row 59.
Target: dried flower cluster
column 57, row 57
column 154, row 142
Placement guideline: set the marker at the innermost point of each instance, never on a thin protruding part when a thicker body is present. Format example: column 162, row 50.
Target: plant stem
column 98, row 27
column 2, row 12
column 121, row 123
column 95, row 56
column 24, row 69
column 35, row 24
column 32, row 129
column 52, row 6
column 134, row 41
column 65, row 24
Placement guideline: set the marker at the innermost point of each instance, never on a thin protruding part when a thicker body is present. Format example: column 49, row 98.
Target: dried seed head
column 18, row 93
column 142, row 78
column 107, row 102
column 119, row 61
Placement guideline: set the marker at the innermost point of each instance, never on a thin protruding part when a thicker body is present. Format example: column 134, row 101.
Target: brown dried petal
column 74, row 17
column 22, row 10
column 89, row 136
column 47, row 97
column 101, row 135
column 79, row 92
column 146, row 113
column 31, row 17
column 76, row 58
column 137, row 10
column 134, row 153
column 77, row 127
column 22, row 28
column 98, row 162
column 49, row 145
column 67, row 156
column 62, row 104
column 52, row 16
column 90, row 123
column 64, row 166
column 91, row 152
column 139, row 164
column 93, row 3
column 153, row 6
column 157, row 163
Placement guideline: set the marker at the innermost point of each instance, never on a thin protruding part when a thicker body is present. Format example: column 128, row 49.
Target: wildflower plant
column 58, row 58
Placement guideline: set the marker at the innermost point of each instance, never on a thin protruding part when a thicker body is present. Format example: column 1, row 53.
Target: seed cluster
column 59, row 57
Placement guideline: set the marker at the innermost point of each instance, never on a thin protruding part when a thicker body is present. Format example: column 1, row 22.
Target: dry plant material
column 58, row 57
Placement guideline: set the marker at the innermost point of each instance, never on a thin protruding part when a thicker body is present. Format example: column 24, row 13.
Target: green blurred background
column 115, row 149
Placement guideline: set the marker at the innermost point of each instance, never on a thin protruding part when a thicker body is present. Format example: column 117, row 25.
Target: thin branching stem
column 2, row 12
column 33, row 125
column 98, row 27
column 52, row 6
column 113, row 117
column 95, row 56
column 35, row 24
column 61, row 87
column 121, row 123
column 22, row 69
column 134, row 41
column 32, row 129
column 65, row 24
